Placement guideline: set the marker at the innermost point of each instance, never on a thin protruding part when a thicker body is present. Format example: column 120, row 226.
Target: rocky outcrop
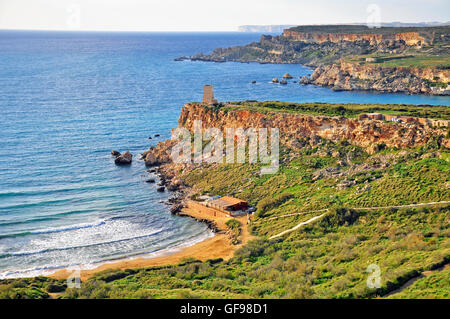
column 351, row 76
column 322, row 47
column 300, row 127
column 124, row 159
column 158, row 154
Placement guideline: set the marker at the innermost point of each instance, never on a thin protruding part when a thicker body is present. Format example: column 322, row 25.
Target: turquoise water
column 68, row 99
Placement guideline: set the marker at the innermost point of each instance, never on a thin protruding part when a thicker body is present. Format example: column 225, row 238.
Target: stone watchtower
column 208, row 95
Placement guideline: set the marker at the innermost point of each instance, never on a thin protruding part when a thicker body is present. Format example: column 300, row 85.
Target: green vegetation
column 327, row 259
column 30, row 288
column 324, row 259
column 434, row 286
column 347, row 109
column 404, row 60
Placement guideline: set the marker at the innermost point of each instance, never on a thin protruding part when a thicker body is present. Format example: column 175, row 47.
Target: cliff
column 350, row 76
column 409, row 38
column 296, row 129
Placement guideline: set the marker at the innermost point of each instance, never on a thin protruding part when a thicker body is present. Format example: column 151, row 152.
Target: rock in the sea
column 150, row 180
column 305, row 80
column 149, row 137
column 287, row 76
column 275, row 80
column 115, row 153
column 157, row 135
column 253, row 82
column 161, row 189
column 284, row 82
column 124, row 159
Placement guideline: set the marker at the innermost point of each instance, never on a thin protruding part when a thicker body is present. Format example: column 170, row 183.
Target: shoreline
column 217, row 246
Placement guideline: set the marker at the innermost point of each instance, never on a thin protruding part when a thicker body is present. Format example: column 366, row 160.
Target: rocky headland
column 297, row 130
column 412, row 60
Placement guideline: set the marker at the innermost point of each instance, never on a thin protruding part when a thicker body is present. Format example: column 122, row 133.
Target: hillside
column 348, row 185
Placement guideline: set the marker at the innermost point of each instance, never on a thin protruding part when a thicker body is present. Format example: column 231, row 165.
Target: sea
column 68, row 98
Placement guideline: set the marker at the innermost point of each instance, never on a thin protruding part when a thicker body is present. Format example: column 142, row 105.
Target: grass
column 347, row 109
column 405, row 60
column 327, row 259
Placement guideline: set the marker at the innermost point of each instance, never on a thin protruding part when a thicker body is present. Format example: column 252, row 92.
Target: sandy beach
column 218, row 246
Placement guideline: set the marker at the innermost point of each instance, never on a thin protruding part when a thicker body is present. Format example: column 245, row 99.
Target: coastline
column 218, row 246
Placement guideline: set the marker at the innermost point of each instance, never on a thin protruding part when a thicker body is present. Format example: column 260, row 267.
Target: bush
column 269, row 203
column 339, row 217
column 55, row 288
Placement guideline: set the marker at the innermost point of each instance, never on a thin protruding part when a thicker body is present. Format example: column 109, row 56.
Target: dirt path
column 359, row 208
column 366, row 208
column 413, row 280
column 297, row 226
column 218, row 246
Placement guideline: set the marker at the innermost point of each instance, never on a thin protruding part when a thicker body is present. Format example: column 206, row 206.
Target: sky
column 208, row 15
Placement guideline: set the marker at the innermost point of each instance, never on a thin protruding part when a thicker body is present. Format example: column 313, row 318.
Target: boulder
column 253, row 82
column 284, row 82
column 150, row 180
column 161, row 189
column 287, row 76
column 151, row 160
column 275, row 80
column 175, row 209
column 175, row 185
column 115, row 153
column 124, row 159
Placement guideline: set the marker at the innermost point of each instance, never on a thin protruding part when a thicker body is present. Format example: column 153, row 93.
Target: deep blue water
column 68, row 99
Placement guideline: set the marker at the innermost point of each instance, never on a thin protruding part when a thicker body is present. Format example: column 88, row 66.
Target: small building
column 208, row 95
column 217, row 206
column 228, row 204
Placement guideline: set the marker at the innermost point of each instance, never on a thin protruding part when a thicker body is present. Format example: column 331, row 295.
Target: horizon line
column 236, row 29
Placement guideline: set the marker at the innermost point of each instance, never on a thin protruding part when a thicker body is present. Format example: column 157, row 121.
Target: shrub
column 269, row 203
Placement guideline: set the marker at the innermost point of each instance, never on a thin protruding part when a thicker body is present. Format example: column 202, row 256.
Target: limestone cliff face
column 295, row 127
column 350, row 76
column 409, row 38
